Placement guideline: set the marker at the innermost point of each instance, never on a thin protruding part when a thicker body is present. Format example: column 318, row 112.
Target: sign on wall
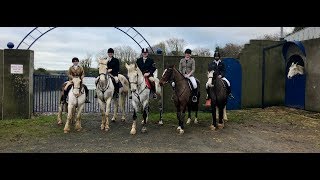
column 16, row 69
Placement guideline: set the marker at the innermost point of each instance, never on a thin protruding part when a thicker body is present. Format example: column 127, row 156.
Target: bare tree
column 203, row 52
column 161, row 45
column 273, row 37
column 125, row 53
column 176, row 46
column 231, row 50
column 86, row 62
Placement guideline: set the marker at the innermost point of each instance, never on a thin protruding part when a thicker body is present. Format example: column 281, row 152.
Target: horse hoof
column 144, row 130
column 212, row 127
column 123, row 119
column 60, row 123
column 179, row 128
column 181, row 131
column 65, row 131
column 188, row 121
column 79, row 129
column 102, row 127
column 107, row 129
column 133, row 131
column 196, row 121
column 220, row 126
column 160, row 122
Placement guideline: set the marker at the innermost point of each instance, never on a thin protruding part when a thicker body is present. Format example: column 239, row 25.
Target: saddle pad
column 148, row 83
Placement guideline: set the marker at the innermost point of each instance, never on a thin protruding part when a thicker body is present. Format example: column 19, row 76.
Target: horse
column 140, row 96
column 105, row 91
column 219, row 98
column 123, row 94
column 62, row 106
column 76, row 102
column 295, row 69
column 182, row 93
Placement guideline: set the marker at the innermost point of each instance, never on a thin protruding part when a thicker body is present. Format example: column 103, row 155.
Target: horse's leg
column 182, row 116
column 70, row 113
column 60, row 114
column 189, row 114
column 121, row 105
column 145, row 116
column 225, row 118
column 134, row 124
column 221, row 124
column 103, row 114
column 161, row 112
column 108, row 102
column 115, row 109
column 78, row 119
column 196, row 114
column 217, row 112
column 179, row 119
column 214, row 116
column 73, row 120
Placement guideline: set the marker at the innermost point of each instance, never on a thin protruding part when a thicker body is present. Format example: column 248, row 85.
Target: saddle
column 150, row 85
column 190, row 84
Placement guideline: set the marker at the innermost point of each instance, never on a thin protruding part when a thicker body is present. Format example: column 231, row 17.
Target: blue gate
column 295, row 87
column 234, row 75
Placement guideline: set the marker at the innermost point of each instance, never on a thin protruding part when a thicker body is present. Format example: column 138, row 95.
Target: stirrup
column 154, row 96
column 194, row 99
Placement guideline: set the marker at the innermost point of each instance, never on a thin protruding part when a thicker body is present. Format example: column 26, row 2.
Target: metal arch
column 35, row 39
column 51, row 28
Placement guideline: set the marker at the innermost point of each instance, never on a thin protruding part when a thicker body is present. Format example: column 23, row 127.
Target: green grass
column 39, row 127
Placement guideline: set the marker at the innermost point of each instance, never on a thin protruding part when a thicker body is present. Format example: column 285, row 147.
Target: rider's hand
column 219, row 76
column 186, row 75
column 146, row 74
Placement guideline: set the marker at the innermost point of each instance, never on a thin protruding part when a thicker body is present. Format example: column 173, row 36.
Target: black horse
column 219, row 97
column 182, row 94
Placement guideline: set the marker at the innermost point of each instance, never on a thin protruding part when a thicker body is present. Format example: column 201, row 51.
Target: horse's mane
column 174, row 67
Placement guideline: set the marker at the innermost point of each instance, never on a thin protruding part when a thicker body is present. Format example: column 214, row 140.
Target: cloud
column 55, row 50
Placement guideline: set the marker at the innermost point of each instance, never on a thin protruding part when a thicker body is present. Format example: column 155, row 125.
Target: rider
column 218, row 66
column 187, row 67
column 147, row 67
column 113, row 68
column 74, row 71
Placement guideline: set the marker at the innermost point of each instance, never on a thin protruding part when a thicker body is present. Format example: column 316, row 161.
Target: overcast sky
column 55, row 50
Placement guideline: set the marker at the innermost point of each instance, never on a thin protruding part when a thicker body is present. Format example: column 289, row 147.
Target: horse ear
column 127, row 66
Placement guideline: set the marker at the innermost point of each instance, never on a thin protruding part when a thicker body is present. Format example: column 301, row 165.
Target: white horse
column 295, row 69
column 105, row 90
column 140, row 96
column 123, row 94
column 76, row 102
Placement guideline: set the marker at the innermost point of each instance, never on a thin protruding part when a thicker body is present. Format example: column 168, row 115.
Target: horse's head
column 295, row 69
column 133, row 76
column 102, row 68
column 76, row 86
column 167, row 75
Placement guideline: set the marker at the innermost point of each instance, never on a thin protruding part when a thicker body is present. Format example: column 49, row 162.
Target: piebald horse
column 76, row 102
column 219, row 98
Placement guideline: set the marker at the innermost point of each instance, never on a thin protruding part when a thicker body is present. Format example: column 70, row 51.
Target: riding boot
column 194, row 94
column 87, row 94
column 95, row 94
column 229, row 92
column 65, row 94
column 154, row 95
column 116, row 90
